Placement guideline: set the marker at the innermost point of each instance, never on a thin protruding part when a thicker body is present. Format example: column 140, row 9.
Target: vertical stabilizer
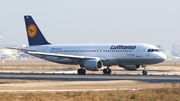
column 35, row 37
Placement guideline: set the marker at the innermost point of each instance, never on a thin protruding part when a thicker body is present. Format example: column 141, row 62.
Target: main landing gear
column 107, row 70
column 81, row 71
column 144, row 71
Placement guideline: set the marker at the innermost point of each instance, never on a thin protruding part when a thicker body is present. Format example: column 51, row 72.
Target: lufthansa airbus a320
column 91, row 57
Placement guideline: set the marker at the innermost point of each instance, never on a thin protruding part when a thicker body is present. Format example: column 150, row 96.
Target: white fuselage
column 111, row 54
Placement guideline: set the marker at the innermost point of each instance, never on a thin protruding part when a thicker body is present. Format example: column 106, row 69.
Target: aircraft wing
column 64, row 55
column 33, row 52
column 21, row 49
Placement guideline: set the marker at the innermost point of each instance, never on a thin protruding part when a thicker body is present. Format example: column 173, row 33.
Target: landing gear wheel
column 144, row 72
column 81, row 71
column 107, row 71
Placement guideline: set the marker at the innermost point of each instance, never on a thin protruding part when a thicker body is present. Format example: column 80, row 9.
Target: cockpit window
column 156, row 50
column 153, row 50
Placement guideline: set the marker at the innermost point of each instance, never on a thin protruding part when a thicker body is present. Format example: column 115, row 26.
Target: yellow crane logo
column 32, row 30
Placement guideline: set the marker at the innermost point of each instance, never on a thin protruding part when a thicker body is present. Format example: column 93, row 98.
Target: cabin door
column 138, row 51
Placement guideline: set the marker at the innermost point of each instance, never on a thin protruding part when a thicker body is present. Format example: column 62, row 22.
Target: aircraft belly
column 138, row 61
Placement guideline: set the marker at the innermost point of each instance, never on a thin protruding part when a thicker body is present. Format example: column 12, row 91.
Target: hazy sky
column 93, row 21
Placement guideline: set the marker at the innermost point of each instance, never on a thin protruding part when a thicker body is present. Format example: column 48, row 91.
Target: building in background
column 175, row 51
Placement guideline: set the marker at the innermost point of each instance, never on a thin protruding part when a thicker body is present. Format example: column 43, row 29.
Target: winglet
column 35, row 37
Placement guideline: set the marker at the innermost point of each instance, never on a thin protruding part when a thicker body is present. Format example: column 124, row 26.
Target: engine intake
column 93, row 64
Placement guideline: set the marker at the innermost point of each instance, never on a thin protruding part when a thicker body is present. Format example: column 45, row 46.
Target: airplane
column 93, row 57
column 6, row 54
column 7, row 57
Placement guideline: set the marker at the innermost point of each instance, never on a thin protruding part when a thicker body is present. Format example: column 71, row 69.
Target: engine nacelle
column 93, row 64
column 131, row 67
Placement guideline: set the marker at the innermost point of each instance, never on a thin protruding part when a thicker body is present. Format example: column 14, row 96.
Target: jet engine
column 93, row 64
column 130, row 67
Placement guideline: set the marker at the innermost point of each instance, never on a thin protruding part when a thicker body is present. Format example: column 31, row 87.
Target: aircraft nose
column 163, row 57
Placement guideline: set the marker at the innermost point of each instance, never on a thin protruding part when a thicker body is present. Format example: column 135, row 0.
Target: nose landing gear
column 144, row 71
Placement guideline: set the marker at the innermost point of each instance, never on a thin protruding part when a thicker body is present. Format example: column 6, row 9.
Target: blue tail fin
column 35, row 37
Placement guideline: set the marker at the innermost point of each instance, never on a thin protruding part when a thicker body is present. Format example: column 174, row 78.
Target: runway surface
column 90, row 77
